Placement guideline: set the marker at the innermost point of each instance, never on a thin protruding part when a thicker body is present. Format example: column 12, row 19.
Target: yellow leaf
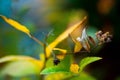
column 61, row 50
column 74, row 68
column 60, row 56
column 78, row 47
column 64, row 35
column 39, row 63
column 16, row 25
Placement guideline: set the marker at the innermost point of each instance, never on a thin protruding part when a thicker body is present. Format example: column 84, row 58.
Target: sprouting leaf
column 36, row 62
column 63, row 36
column 20, row 69
column 84, row 62
column 16, row 25
column 55, row 69
column 74, row 68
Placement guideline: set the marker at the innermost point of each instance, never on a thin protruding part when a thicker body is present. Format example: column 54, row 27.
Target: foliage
column 27, row 65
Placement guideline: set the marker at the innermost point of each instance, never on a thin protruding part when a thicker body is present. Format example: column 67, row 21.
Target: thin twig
column 38, row 41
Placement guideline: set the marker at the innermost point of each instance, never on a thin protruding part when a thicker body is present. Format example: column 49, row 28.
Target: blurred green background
column 42, row 16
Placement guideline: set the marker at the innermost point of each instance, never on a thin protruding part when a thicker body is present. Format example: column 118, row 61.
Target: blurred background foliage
column 42, row 16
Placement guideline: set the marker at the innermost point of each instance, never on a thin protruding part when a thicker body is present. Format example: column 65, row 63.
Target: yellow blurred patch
column 78, row 47
column 74, row 68
column 38, row 63
column 56, row 76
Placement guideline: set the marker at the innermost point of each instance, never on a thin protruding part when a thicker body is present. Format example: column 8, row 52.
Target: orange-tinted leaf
column 63, row 36
column 74, row 68
column 16, row 25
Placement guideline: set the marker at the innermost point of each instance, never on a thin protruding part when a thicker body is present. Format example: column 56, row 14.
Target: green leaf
column 66, row 62
column 84, row 62
column 53, row 70
column 63, row 66
column 19, row 69
column 49, row 62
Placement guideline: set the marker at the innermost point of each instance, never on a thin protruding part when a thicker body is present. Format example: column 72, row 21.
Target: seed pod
column 56, row 61
column 91, row 40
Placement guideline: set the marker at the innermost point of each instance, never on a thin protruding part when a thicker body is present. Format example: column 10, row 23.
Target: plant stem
column 38, row 41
